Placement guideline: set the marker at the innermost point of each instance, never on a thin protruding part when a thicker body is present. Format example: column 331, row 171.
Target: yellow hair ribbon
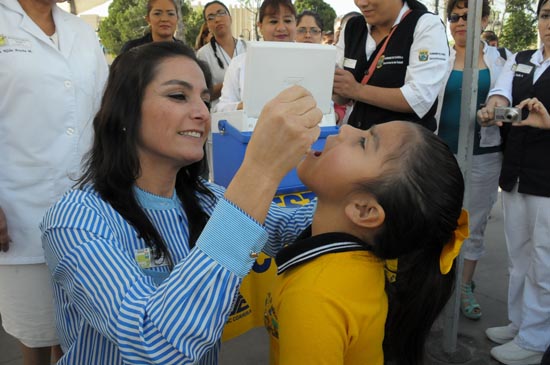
column 391, row 270
column 452, row 248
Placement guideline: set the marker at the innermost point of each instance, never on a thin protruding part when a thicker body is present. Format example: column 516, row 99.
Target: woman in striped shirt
column 146, row 257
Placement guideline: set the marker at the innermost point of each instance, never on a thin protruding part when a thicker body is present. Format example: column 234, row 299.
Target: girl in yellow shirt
column 393, row 191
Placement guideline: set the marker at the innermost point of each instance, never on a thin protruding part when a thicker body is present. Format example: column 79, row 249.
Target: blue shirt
column 449, row 123
column 110, row 311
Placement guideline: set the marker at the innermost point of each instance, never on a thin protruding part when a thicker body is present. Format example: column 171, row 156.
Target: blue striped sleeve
column 231, row 236
column 99, row 285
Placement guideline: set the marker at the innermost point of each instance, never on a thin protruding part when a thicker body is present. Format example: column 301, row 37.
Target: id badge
column 145, row 258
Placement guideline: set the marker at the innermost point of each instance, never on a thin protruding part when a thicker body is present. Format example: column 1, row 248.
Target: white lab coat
column 49, row 98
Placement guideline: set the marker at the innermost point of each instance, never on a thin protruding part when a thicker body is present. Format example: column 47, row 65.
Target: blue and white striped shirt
column 110, row 311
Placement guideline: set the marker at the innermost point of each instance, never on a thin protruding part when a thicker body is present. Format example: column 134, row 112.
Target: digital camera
column 507, row 114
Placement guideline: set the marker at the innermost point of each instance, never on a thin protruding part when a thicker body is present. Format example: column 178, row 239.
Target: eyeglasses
column 453, row 18
column 312, row 31
column 219, row 14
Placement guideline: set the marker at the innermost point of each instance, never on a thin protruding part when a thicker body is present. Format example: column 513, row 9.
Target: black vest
column 390, row 75
column 527, row 149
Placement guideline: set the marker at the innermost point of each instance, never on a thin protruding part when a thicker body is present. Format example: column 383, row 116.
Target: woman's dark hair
column 463, row 4
column 112, row 165
column 213, row 39
column 421, row 193
column 489, row 36
column 151, row 2
column 212, row 3
column 203, row 33
column 415, row 5
column 270, row 7
column 312, row 14
column 540, row 5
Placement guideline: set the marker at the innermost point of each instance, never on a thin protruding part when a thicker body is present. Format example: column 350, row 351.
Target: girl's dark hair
column 269, row 7
column 312, row 14
column 213, row 39
column 151, row 2
column 112, row 165
column 463, row 4
column 540, row 5
column 421, row 194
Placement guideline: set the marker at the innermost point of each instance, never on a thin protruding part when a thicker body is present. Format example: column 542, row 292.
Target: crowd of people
column 114, row 248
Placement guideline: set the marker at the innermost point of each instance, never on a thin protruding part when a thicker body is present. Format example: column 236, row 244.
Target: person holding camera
column 525, row 184
column 487, row 154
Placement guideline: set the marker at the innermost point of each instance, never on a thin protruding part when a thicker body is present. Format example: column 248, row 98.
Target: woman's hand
column 538, row 114
column 4, row 236
column 486, row 115
column 344, row 84
column 286, row 129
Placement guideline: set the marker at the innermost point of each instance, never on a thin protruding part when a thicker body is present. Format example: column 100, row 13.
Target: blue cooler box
column 229, row 147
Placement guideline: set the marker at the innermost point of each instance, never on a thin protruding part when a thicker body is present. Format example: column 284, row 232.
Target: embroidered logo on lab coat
column 423, row 55
column 380, row 62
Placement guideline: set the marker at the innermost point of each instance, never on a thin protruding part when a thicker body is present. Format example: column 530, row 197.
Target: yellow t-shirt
column 330, row 310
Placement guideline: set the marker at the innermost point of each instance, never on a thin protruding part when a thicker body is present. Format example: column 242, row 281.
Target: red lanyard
column 374, row 63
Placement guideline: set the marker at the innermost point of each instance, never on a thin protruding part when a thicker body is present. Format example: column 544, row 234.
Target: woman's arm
column 422, row 80
column 230, row 94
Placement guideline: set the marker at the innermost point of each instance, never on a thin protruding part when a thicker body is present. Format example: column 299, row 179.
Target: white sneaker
column 512, row 354
column 501, row 335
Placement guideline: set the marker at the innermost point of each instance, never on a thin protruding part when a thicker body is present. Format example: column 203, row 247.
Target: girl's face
column 380, row 12
column 218, row 20
column 458, row 26
column 351, row 157
column 308, row 31
column 163, row 19
column 175, row 119
column 278, row 26
column 544, row 28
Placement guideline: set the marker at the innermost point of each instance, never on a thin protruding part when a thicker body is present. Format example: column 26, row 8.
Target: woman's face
column 380, row 12
column 458, row 27
column 351, row 157
column 218, row 20
column 308, row 31
column 279, row 26
column 163, row 19
column 544, row 27
column 175, row 120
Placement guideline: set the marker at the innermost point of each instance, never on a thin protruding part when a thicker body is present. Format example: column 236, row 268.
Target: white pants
column 483, row 195
column 527, row 231
column 26, row 304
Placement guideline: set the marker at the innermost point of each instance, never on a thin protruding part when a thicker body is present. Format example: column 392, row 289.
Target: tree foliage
column 325, row 11
column 519, row 31
column 126, row 20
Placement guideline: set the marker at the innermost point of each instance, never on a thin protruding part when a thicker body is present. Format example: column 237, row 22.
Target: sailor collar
column 307, row 247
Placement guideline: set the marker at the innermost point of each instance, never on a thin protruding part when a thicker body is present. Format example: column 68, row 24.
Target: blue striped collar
column 307, row 247
column 156, row 202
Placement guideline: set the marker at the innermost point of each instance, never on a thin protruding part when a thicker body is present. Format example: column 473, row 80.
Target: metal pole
column 464, row 156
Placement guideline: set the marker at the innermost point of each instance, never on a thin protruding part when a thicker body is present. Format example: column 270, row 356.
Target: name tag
column 14, row 42
column 524, row 69
column 350, row 63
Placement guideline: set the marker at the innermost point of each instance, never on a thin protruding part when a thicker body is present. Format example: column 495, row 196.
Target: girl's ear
column 147, row 19
column 365, row 212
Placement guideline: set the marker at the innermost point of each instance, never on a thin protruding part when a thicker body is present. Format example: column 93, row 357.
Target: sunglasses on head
column 453, row 18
